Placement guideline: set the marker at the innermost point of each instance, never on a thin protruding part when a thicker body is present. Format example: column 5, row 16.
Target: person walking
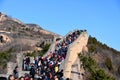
column 11, row 77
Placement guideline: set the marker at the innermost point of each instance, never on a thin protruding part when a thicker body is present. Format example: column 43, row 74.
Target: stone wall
column 72, row 54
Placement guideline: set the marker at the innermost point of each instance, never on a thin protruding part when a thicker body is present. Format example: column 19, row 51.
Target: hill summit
column 27, row 36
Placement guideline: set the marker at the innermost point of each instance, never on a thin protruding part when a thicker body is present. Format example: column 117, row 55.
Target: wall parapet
column 72, row 54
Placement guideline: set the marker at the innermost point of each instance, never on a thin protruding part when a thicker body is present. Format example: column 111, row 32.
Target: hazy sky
column 101, row 18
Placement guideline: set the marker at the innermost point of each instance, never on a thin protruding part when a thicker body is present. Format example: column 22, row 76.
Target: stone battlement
column 72, row 54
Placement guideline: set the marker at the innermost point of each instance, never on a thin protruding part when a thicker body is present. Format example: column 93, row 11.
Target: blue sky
column 101, row 18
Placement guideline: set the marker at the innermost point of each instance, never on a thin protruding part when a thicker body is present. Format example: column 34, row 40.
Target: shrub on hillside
column 89, row 64
column 41, row 52
column 92, row 48
column 45, row 49
column 5, row 57
column 100, row 74
column 31, row 54
column 92, row 40
column 98, row 44
column 108, row 63
column 119, row 70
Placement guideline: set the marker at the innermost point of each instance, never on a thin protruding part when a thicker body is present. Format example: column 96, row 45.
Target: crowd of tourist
column 47, row 68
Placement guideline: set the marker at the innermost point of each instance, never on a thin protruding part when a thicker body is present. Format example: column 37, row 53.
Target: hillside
column 106, row 59
column 16, row 36
column 15, row 33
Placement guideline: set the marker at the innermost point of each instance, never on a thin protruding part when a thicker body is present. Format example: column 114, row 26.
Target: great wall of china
column 71, row 64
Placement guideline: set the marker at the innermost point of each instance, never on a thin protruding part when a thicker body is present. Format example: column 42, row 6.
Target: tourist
column 21, row 78
column 26, row 77
column 31, row 78
column 15, row 72
column 56, row 78
column 67, row 79
column 32, row 71
column 11, row 77
column 27, row 62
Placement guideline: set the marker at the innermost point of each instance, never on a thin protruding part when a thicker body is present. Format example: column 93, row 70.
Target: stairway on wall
column 71, row 65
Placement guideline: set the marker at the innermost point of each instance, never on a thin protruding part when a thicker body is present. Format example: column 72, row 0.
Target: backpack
column 32, row 71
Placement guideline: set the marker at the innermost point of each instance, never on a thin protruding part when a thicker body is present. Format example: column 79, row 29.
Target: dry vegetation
column 106, row 58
